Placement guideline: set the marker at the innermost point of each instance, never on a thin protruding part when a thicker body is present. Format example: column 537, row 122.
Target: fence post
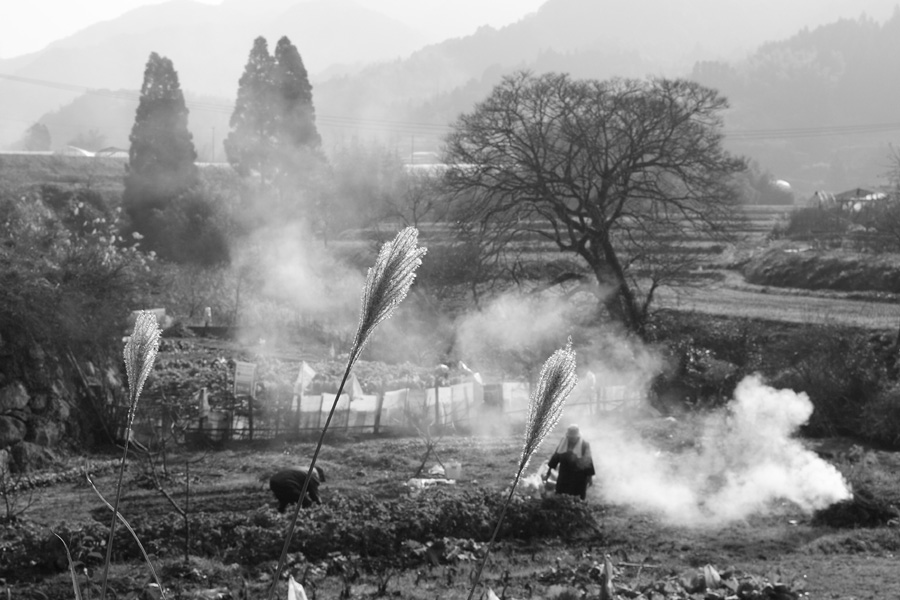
column 347, row 422
column 250, row 415
column 379, row 403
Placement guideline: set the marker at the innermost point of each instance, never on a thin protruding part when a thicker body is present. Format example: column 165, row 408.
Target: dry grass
column 102, row 174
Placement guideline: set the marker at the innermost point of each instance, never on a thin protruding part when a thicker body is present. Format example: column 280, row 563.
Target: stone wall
column 44, row 407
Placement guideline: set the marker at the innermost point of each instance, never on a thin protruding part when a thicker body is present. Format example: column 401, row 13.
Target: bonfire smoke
column 289, row 276
column 745, row 458
column 524, row 329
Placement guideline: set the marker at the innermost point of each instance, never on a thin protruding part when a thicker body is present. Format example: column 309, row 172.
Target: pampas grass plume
column 556, row 382
column 140, row 352
column 387, row 284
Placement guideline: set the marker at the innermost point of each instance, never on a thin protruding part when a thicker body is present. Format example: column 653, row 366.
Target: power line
column 822, row 131
column 425, row 128
column 345, row 122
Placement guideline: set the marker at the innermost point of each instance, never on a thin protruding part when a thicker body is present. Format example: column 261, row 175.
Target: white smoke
column 288, row 277
column 745, row 458
column 514, row 332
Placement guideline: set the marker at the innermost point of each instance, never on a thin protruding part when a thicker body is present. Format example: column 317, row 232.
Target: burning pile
column 745, row 458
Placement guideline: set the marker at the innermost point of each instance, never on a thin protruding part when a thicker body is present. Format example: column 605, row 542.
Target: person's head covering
column 572, row 433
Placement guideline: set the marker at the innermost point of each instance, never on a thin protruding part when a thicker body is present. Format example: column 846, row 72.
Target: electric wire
column 425, row 128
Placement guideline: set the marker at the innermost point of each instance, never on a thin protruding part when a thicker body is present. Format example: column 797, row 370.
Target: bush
column 67, row 280
column 841, row 371
column 189, row 228
column 880, row 417
column 814, row 220
column 851, row 377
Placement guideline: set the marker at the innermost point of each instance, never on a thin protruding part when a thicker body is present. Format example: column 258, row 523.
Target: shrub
column 840, row 370
column 814, row 220
column 67, row 280
column 190, row 228
column 880, row 417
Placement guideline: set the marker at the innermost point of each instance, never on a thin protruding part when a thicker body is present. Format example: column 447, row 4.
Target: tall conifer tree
column 250, row 145
column 296, row 115
column 161, row 157
column 273, row 124
column 161, row 183
column 299, row 156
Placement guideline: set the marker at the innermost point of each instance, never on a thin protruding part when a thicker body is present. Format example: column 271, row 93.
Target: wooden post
column 299, row 415
column 347, row 421
column 437, row 402
column 250, row 415
column 379, row 403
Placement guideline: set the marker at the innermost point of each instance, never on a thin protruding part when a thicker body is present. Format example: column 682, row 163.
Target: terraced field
column 732, row 297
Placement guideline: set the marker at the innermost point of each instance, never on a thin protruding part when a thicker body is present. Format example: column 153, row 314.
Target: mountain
column 208, row 45
column 783, row 65
column 820, row 105
column 588, row 38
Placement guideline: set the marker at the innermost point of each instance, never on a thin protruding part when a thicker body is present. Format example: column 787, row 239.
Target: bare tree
column 881, row 215
column 416, row 199
column 893, row 173
column 623, row 173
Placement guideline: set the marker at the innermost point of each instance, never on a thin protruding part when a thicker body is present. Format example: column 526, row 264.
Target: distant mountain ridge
column 820, row 105
column 208, row 45
column 409, row 102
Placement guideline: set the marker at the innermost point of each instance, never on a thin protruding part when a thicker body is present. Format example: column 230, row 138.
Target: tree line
column 613, row 173
column 273, row 139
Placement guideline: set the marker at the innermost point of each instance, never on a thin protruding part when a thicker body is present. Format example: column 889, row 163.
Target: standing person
column 576, row 467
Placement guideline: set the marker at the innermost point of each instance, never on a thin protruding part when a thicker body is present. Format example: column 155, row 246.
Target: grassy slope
column 102, row 174
column 825, row 270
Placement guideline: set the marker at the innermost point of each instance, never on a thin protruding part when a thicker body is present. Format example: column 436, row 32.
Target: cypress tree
column 298, row 142
column 161, row 157
column 162, row 182
column 250, row 145
column 296, row 115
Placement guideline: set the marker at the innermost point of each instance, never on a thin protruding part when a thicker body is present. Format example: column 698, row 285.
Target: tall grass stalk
column 387, row 284
column 556, row 382
column 140, row 352
column 72, row 573
column 131, row 530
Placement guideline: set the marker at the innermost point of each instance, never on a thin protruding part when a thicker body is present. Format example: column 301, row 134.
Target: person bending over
column 287, row 485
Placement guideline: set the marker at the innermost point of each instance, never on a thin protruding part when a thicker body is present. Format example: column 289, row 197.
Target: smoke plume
column 288, row 277
column 743, row 459
column 514, row 333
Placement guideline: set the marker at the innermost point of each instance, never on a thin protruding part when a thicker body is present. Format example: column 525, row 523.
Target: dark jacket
column 287, row 485
column 574, row 471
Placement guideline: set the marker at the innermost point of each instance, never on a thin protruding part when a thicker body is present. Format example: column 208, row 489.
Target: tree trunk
column 620, row 302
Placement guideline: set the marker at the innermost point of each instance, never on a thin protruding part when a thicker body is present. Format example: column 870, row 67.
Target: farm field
column 778, row 545
column 732, row 297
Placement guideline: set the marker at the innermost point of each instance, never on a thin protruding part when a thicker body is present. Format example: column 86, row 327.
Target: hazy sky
column 29, row 25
